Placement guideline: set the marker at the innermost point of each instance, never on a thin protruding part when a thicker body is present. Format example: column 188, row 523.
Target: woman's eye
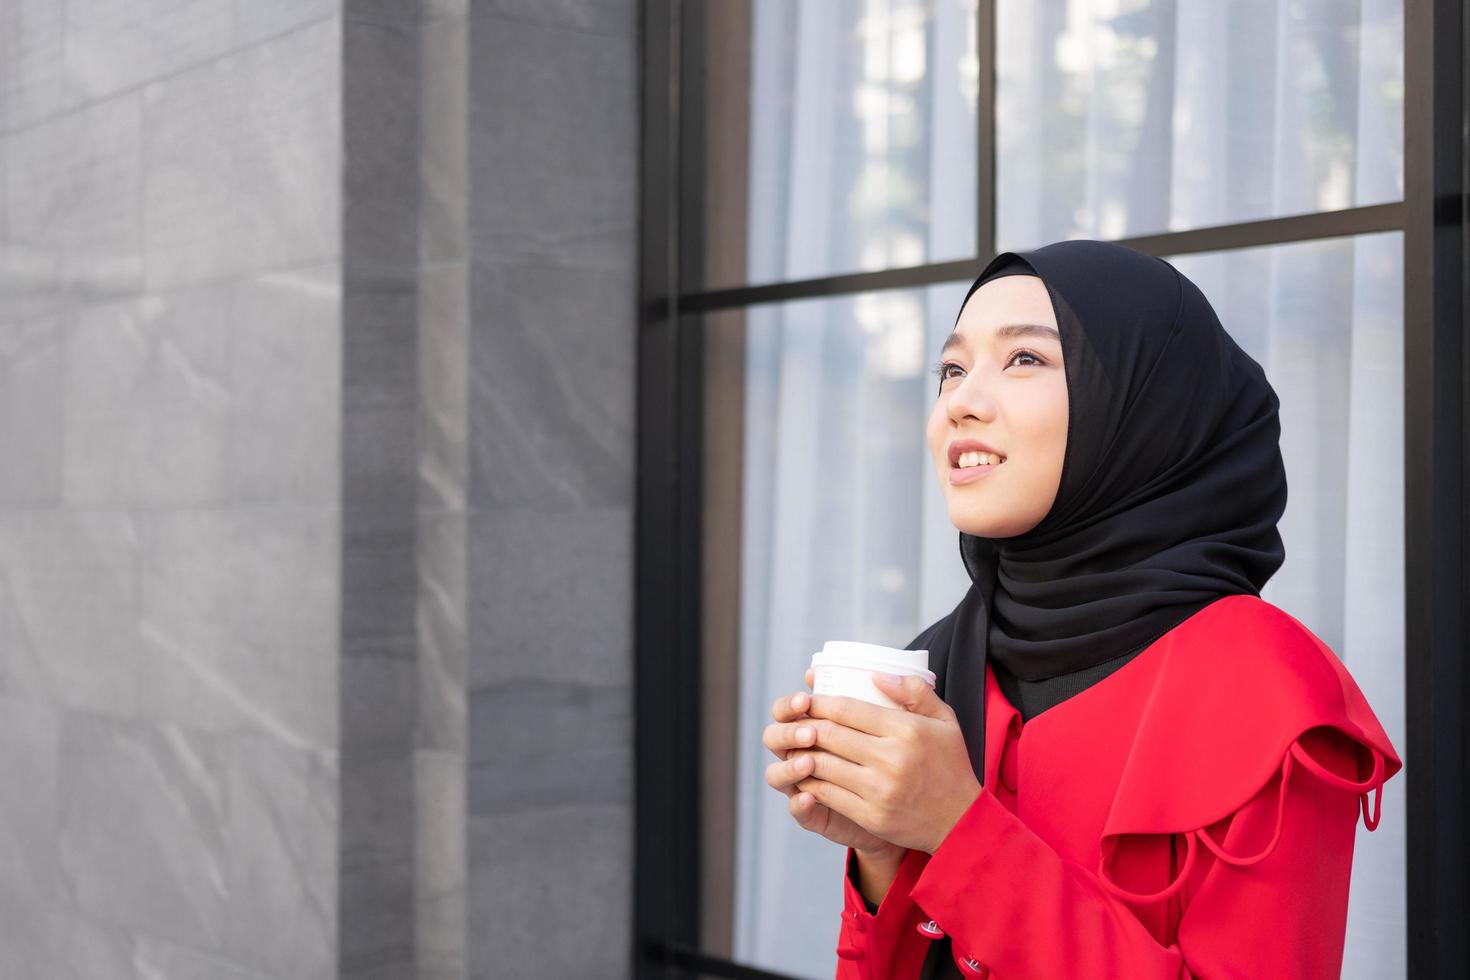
column 941, row 370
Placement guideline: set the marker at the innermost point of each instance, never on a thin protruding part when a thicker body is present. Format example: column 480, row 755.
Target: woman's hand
column 903, row 776
column 797, row 763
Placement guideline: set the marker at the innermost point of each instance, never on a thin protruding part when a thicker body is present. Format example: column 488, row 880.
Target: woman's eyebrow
column 1004, row 331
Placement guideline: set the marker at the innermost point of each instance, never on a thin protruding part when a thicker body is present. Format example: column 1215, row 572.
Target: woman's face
column 1003, row 384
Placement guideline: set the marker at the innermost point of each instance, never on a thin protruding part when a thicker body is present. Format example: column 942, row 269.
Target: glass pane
column 1126, row 117
column 824, row 520
column 838, row 136
column 1325, row 319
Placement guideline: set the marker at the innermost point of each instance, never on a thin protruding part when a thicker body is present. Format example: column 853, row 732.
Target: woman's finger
column 781, row 775
column 858, row 714
column 809, row 814
column 810, row 678
column 782, row 737
column 839, row 800
column 807, row 733
column 835, row 769
column 791, row 706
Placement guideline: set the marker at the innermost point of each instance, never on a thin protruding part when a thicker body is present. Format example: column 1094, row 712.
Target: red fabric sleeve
column 1260, row 893
column 872, row 946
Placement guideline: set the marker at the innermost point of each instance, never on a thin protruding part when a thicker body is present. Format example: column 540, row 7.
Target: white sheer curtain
column 862, row 135
column 1126, row 117
column 1114, row 118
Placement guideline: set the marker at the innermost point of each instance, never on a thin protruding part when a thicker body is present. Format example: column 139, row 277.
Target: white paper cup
column 847, row 667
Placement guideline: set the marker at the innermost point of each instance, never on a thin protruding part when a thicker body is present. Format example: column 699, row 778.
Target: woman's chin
column 979, row 529
column 984, row 526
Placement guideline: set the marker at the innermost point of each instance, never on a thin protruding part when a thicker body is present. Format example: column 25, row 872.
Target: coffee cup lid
column 873, row 656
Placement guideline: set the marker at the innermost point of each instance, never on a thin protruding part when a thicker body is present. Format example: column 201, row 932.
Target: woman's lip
column 969, row 474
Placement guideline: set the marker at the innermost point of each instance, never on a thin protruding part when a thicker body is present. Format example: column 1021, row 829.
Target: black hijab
column 1171, row 486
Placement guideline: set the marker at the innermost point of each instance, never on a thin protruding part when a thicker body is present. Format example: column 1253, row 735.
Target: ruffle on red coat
column 1289, row 702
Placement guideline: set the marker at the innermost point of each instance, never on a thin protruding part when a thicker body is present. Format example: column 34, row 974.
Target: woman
column 1133, row 765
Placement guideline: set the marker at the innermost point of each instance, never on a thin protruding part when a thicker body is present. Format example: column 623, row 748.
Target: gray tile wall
column 440, row 925
column 553, row 165
column 380, row 349
column 170, row 411
column 317, row 349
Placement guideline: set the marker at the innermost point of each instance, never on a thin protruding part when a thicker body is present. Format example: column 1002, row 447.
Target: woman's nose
column 971, row 398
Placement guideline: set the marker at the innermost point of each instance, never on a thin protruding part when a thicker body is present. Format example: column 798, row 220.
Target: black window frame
column 1434, row 219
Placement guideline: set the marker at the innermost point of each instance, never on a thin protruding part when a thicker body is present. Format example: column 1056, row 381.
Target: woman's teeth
column 979, row 459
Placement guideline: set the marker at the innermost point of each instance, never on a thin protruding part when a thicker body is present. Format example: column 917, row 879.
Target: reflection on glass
column 839, row 136
column 1125, row 117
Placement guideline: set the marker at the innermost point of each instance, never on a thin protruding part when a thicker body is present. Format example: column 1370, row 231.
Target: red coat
column 1193, row 814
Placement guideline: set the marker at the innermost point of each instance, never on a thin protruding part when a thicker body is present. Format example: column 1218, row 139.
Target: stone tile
column 552, row 388
column 391, row 966
column 379, row 698
column 521, row 903
column 220, row 852
column 29, row 757
column 239, row 622
column 31, row 39
column 379, row 397
column 31, row 412
column 377, row 911
column 243, row 161
column 434, row 10
column 443, row 386
column 140, row 828
column 380, row 110
column 203, row 395
column 69, row 609
column 377, row 794
column 443, row 138
column 535, row 744
column 442, row 632
column 43, row 937
column 71, row 189
column 552, row 596
column 564, row 190
column 377, row 921
column 286, row 387
column 440, row 865
column 384, row 12
column 255, row 20
column 615, row 17
column 148, row 400
column 281, row 835
column 380, row 345
column 156, row 958
column 101, row 163
column 379, row 606
column 113, row 45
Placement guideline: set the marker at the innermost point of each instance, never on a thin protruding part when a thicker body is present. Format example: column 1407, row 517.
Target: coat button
column 930, row 930
column 973, row 967
column 855, row 921
column 850, row 952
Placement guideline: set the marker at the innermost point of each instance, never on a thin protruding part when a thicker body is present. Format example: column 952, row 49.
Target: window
column 843, row 170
